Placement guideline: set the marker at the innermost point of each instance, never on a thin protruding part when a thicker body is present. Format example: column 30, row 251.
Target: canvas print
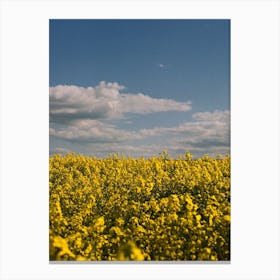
column 139, row 140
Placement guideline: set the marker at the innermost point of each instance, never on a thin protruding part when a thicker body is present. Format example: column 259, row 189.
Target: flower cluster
column 121, row 208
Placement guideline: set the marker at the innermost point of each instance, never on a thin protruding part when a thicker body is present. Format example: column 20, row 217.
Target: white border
column 255, row 137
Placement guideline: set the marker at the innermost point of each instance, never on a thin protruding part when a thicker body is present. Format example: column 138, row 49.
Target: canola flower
column 121, row 208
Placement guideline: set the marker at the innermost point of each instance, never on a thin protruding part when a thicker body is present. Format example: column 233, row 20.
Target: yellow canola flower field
column 121, row 208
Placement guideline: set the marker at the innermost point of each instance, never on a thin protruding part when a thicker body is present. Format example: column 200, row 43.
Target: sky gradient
column 140, row 86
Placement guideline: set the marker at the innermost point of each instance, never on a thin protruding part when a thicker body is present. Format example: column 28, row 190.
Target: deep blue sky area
column 181, row 60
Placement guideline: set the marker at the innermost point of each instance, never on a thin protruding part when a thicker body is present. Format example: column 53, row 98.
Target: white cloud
column 205, row 128
column 146, row 151
column 208, row 132
column 59, row 150
column 92, row 131
column 105, row 101
column 219, row 116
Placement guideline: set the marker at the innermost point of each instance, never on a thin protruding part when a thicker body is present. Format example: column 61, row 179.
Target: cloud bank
column 207, row 132
column 79, row 117
column 205, row 127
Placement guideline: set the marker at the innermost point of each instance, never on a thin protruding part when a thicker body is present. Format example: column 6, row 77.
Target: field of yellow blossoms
column 121, row 208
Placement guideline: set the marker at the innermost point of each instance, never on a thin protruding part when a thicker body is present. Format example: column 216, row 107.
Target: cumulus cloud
column 92, row 131
column 206, row 129
column 105, row 101
column 80, row 115
column 207, row 132
column 208, row 126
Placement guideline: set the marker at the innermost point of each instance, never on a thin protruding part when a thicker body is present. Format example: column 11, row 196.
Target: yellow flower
column 99, row 209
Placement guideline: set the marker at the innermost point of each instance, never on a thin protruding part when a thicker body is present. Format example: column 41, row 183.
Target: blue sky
column 140, row 86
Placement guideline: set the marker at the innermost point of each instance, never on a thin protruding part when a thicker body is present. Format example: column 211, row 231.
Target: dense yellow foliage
column 139, row 209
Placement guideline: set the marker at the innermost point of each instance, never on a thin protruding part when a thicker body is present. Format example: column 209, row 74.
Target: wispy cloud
column 59, row 150
column 160, row 65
